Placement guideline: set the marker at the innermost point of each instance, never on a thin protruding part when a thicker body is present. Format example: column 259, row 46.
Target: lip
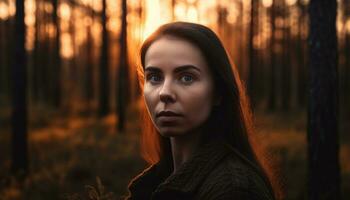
column 168, row 114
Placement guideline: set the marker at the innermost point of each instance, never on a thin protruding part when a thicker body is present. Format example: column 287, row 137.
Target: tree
column 323, row 147
column 272, row 91
column 286, row 61
column 173, row 3
column 123, row 73
column 252, row 54
column 88, row 83
column 19, row 95
column 301, row 70
column 56, row 101
column 346, row 49
column 103, row 108
column 35, row 68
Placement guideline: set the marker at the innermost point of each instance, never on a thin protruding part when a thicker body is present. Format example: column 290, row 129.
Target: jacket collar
column 186, row 180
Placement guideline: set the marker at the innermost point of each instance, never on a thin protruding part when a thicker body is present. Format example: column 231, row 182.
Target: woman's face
column 178, row 87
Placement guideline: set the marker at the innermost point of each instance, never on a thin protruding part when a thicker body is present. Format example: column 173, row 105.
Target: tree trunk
column 19, row 95
column 57, row 59
column 346, row 83
column 123, row 73
column 36, row 56
column 173, row 3
column 323, row 147
column 4, row 57
column 272, row 91
column 286, row 63
column 347, row 74
column 88, row 89
column 104, row 66
column 301, row 68
column 44, row 56
column 252, row 55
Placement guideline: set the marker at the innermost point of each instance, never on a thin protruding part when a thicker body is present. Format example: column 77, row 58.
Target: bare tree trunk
column 301, row 68
column 4, row 57
column 323, row 146
column 272, row 91
column 19, row 95
column 347, row 73
column 45, row 74
column 286, row 66
column 346, row 81
column 173, row 3
column 36, row 56
column 103, row 108
column 252, row 55
column 88, row 89
column 57, row 59
column 123, row 73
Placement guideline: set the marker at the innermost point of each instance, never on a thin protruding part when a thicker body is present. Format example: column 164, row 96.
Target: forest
column 70, row 98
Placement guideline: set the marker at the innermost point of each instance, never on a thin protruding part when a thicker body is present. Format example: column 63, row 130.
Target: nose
column 166, row 94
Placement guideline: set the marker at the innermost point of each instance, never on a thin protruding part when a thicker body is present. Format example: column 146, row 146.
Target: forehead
column 172, row 51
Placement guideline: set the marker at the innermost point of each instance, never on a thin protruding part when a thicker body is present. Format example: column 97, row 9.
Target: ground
column 80, row 157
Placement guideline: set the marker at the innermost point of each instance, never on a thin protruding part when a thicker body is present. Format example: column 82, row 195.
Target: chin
column 170, row 132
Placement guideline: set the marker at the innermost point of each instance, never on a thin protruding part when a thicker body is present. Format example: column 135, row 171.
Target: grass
column 81, row 157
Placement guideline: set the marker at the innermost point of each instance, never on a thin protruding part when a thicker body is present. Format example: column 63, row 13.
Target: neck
column 183, row 147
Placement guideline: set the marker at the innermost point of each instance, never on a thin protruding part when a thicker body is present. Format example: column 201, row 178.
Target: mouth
column 168, row 114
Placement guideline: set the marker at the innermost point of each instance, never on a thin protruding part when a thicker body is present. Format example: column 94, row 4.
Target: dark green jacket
column 216, row 171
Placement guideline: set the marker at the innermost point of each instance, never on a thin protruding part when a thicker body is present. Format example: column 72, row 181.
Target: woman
column 197, row 132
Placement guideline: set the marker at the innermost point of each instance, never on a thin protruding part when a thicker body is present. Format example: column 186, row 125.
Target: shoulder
column 234, row 178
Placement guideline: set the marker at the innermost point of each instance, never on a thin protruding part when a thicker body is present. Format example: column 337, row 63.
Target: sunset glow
column 4, row 12
column 267, row 3
column 348, row 26
column 153, row 14
column 153, row 18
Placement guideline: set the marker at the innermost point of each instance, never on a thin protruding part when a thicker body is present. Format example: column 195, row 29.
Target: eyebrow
column 177, row 70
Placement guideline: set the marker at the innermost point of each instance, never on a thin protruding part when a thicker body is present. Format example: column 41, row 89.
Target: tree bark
column 123, row 73
column 88, row 89
column 346, row 81
column 19, row 96
column 286, row 63
column 272, row 91
column 323, row 147
column 56, row 99
column 36, row 56
column 301, row 68
column 252, row 55
column 104, row 66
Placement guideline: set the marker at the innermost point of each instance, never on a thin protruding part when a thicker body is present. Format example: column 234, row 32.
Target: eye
column 153, row 78
column 187, row 79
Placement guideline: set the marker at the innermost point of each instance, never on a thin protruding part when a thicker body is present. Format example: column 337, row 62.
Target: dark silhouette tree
column 286, row 61
column 44, row 56
column 173, row 3
column 346, row 49
column 5, row 49
column 123, row 71
column 19, row 95
column 35, row 68
column 56, row 76
column 323, row 147
column 103, row 108
column 88, row 86
column 272, row 80
column 300, row 50
column 253, row 27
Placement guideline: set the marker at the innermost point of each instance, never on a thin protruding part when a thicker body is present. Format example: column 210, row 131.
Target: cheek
column 149, row 98
column 199, row 103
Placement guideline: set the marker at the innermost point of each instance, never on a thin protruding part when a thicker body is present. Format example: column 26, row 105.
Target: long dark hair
column 232, row 118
